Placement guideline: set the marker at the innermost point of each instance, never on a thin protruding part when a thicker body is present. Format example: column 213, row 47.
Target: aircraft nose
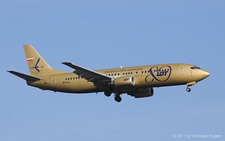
column 205, row 74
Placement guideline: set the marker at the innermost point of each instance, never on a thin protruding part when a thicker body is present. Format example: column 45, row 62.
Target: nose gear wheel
column 188, row 89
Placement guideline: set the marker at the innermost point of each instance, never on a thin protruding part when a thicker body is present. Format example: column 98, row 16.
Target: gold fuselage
column 144, row 77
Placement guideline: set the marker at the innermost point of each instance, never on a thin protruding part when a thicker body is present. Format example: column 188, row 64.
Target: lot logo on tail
column 36, row 64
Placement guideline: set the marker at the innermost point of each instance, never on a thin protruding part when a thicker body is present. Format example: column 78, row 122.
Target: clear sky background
column 107, row 34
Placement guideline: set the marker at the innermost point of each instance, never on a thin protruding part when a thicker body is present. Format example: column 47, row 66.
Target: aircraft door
column 182, row 70
column 53, row 81
column 191, row 72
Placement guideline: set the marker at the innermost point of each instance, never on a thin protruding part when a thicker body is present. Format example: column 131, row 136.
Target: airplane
column 138, row 81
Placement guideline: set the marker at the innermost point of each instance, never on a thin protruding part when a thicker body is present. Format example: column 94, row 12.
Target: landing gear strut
column 190, row 84
column 118, row 98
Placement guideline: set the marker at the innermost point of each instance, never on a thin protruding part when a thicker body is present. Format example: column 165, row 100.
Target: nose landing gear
column 190, row 84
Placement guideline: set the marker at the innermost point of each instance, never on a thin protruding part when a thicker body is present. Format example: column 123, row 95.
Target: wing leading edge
column 89, row 75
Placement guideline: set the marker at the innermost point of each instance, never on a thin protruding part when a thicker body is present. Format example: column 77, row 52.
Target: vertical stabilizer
column 36, row 64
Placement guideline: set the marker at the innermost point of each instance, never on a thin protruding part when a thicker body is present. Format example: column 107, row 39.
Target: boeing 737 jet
column 136, row 81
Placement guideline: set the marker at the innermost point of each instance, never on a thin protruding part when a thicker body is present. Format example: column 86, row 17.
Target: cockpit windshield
column 195, row 67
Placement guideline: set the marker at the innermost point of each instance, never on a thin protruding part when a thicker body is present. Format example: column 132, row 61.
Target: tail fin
column 36, row 64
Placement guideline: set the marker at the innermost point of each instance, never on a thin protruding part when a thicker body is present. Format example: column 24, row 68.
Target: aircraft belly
column 77, row 87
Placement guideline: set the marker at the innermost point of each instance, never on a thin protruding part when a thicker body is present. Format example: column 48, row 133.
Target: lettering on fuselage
column 160, row 74
column 123, row 70
column 126, row 79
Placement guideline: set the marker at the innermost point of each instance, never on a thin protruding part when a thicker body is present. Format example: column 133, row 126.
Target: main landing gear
column 118, row 98
column 107, row 93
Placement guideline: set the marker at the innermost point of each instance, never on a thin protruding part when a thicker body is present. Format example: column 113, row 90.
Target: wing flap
column 24, row 76
column 89, row 75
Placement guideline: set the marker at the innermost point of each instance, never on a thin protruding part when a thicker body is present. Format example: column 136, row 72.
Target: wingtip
column 65, row 62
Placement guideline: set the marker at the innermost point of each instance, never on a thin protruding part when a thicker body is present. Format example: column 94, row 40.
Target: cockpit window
column 195, row 67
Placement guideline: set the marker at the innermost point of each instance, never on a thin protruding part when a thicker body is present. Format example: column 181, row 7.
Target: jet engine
column 124, row 81
column 142, row 93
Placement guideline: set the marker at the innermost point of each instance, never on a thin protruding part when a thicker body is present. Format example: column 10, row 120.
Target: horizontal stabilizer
column 24, row 76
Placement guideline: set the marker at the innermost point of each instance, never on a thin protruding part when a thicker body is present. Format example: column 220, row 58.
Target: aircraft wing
column 89, row 75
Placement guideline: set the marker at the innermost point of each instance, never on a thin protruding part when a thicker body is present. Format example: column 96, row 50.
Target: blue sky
column 107, row 34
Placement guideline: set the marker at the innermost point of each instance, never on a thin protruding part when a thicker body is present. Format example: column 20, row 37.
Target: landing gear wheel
column 188, row 89
column 118, row 99
column 108, row 94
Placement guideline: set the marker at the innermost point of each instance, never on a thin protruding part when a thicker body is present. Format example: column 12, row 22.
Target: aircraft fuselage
column 144, row 77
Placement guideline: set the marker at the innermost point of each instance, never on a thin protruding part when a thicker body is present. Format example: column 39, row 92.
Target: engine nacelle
column 124, row 81
column 142, row 93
